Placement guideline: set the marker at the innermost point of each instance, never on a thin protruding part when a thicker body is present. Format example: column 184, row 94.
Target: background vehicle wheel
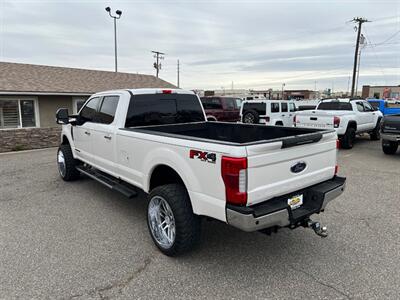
column 251, row 117
column 375, row 135
column 170, row 219
column 66, row 163
column 389, row 147
column 347, row 141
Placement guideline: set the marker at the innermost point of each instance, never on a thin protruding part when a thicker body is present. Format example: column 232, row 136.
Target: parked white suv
column 252, row 177
column 347, row 116
column 269, row 112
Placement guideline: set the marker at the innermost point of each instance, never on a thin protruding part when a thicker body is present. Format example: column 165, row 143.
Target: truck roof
column 149, row 91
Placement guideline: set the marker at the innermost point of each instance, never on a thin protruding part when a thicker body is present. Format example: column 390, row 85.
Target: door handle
column 87, row 132
column 107, row 137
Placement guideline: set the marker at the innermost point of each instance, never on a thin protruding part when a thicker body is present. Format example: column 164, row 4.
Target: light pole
column 283, row 85
column 117, row 16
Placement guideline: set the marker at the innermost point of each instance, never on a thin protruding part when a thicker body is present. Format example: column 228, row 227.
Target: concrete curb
column 26, row 151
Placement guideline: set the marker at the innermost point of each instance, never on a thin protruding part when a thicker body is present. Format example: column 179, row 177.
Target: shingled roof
column 16, row 77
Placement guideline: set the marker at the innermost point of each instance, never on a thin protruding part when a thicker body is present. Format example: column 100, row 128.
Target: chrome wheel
column 248, row 118
column 161, row 222
column 61, row 163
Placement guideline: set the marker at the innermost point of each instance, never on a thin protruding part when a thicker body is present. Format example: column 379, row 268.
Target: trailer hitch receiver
column 322, row 231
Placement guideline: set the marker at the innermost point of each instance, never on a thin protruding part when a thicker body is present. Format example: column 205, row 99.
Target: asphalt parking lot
column 80, row 240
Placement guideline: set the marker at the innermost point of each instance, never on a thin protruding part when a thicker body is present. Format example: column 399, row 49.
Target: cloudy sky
column 254, row 44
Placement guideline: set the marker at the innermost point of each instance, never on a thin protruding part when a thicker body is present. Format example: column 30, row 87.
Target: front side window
column 88, row 112
column 368, row 106
column 17, row 113
column 360, row 107
column 238, row 102
column 107, row 110
column 274, row 107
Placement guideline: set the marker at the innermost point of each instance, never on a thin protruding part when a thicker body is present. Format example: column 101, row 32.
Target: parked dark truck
column 224, row 109
column 390, row 133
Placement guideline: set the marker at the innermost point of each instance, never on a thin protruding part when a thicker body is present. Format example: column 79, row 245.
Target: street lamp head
column 108, row 9
column 118, row 12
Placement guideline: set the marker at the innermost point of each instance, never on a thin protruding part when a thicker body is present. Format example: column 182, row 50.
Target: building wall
column 29, row 138
column 48, row 106
column 381, row 91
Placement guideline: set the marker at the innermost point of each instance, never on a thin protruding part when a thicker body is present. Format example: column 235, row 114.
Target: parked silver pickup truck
column 253, row 177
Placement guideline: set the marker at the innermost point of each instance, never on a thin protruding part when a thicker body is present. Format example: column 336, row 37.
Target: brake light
column 294, row 119
column 337, row 144
column 167, row 91
column 336, row 169
column 234, row 174
column 267, row 119
column 336, row 122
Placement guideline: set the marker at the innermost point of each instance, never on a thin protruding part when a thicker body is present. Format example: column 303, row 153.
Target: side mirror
column 62, row 116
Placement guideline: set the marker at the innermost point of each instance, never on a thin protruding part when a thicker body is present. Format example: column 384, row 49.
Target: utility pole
column 360, row 21
column 362, row 44
column 157, row 65
column 178, row 74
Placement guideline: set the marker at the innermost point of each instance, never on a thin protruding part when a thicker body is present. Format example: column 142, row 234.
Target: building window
column 77, row 104
column 17, row 113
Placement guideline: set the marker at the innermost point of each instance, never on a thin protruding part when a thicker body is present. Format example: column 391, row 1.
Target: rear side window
column 258, row 107
column 107, row 110
column 335, row 105
column 211, row 103
column 284, row 107
column 88, row 112
column 161, row 109
column 274, row 107
column 230, row 103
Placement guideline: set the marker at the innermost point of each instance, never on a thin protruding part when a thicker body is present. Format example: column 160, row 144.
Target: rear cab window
column 335, row 105
column 163, row 109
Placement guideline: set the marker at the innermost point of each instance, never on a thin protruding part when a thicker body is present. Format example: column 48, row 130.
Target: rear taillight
column 294, row 119
column 267, row 119
column 336, row 169
column 336, row 122
column 234, row 174
column 337, row 144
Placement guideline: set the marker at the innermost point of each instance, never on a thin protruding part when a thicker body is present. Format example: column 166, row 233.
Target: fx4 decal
column 203, row 156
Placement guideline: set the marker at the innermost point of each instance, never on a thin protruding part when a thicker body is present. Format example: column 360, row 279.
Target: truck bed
column 236, row 134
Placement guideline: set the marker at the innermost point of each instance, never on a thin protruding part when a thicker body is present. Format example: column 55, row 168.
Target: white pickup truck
column 348, row 117
column 253, row 177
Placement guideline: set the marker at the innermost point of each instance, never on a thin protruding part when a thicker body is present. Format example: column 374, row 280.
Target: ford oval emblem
column 298, row 167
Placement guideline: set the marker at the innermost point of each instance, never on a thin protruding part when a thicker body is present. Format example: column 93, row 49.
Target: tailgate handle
column 301, row 140
column 313, row 118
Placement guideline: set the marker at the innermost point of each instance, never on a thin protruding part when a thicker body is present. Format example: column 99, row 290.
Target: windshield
column 334, row 105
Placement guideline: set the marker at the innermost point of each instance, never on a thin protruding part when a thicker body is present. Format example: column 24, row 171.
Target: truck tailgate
column 314, row 120
column 275, row 170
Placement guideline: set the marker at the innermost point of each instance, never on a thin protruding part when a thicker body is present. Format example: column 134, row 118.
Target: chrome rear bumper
column 276, row 212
